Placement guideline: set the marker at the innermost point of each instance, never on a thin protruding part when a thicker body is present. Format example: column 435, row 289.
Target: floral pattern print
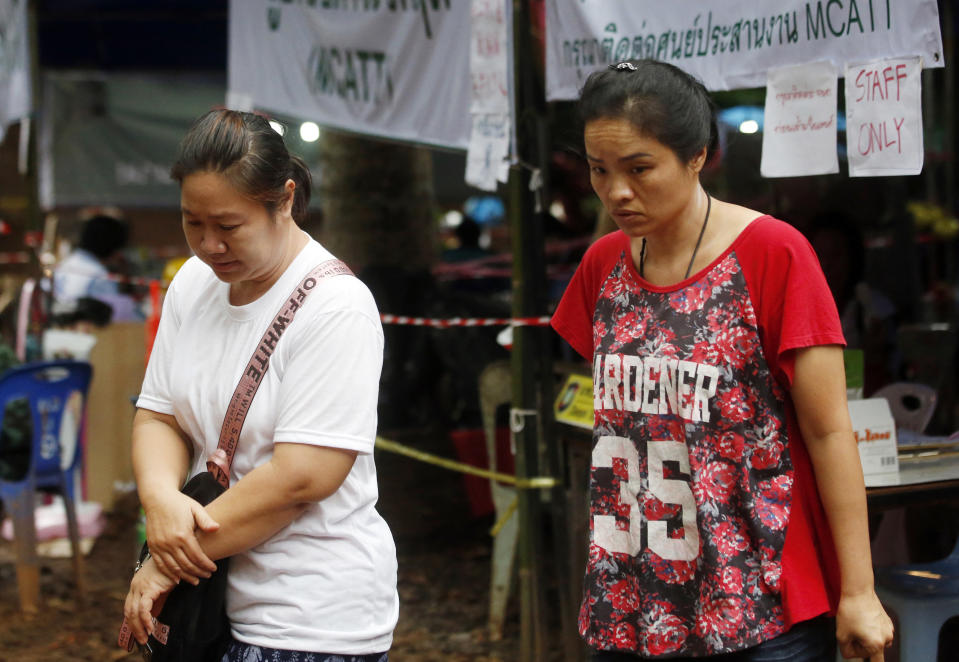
column 684, row 366
column 241, row 652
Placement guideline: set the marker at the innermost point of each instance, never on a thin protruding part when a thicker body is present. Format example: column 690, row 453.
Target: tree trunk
column 377, row 203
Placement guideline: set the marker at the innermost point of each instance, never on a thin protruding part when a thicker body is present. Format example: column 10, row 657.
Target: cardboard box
column 875, row 431
column 118, row 367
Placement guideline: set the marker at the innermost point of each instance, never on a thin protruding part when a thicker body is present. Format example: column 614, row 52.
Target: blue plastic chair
column 924, row 596
column 57, row 393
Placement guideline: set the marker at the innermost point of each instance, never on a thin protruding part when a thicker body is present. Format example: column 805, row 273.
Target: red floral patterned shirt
column 707, row 534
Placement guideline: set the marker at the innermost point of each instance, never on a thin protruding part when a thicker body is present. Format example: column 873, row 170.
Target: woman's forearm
column 251, row 511
column 819, row 394
column 839, row 478
column 161, row 455
column 271, row 496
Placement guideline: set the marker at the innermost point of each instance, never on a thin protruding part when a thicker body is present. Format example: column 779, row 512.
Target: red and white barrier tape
column 134, row 280
column 491, row 272
column 20, row 257
column 403, row 320
column 469, row 266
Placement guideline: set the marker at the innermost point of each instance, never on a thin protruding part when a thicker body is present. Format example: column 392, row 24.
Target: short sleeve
column 795, row 307
column 330, row 383
column 573, row 319
column 156, row 393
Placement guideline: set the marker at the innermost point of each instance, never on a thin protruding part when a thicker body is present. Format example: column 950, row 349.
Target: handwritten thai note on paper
column 487, row 160
column 488, row 152
column 799, row 136
column 884, row 118
column 489, row 47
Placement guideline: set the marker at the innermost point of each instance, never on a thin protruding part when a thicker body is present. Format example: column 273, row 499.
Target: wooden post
column 33, row 161
column 530, row 354
column 524, row 426
column 949, row 103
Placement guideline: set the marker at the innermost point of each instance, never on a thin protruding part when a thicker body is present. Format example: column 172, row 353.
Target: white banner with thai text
column 732, row 44
column 799, row 124
column 884, row 118
column 15, row 94
column 396, row 69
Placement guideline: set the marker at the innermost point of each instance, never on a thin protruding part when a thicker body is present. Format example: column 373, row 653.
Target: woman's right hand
column 171, row 525
column 147, row 587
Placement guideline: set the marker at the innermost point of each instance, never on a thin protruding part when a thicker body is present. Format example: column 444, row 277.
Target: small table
column 921, row 481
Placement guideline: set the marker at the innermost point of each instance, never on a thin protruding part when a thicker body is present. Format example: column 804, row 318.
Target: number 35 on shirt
column 613, row 538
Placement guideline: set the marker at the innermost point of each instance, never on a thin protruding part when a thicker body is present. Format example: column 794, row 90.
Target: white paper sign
column 799, row 135
column 875, row 431
column 733, row 43
column 489, row 46
column 884, row 118
column 399, row 70
column 487, row 160
column 488, row 152
column 15, row 94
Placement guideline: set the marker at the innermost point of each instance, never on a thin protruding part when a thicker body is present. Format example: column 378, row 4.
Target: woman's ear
column 286, row 208
column 697, row 162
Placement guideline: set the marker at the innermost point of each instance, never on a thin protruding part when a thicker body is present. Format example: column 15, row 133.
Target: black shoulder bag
column 191, row 622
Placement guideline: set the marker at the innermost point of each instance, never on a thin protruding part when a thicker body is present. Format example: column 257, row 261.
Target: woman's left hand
column 863, row 629
column 148, row 586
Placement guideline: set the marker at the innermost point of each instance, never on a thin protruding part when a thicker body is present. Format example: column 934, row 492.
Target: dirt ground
column 443, row 555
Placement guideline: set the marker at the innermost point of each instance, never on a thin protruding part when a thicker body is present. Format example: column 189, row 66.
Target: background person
column 84, row 273
column 728, row 512
column 313, row 567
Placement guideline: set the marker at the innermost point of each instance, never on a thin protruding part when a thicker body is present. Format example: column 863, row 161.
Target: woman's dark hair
column 659, row 99
column 245, row 149
column 103, row 236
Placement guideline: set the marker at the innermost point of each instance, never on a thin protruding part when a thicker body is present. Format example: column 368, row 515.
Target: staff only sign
column 884, row 118
column 392, row 68
column 732, row 44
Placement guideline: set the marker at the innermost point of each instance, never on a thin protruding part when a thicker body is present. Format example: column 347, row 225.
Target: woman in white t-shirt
column 313, row 565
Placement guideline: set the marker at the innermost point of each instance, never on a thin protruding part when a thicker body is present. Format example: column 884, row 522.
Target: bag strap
column 221, row 459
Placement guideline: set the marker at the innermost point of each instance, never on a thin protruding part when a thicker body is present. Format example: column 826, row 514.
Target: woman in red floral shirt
column 727, row 506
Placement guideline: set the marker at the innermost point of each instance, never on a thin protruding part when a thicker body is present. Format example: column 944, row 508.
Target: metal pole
column 949, row 105
column 524, row 428
column 33, row 149
column 528, row 300
column 34, row 220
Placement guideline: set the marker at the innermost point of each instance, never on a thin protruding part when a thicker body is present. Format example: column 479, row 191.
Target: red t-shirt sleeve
column 794, row 305
column 795, row 309
column 573, row 319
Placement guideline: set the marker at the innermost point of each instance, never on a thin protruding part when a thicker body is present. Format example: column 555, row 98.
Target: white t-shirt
column 327, row 582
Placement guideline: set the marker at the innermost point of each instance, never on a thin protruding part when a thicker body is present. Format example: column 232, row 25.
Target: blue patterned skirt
column 240, row 652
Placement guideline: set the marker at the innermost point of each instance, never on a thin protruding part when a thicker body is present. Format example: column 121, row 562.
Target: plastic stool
column 912, row 404
column 924, row 596
column 56, row 392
